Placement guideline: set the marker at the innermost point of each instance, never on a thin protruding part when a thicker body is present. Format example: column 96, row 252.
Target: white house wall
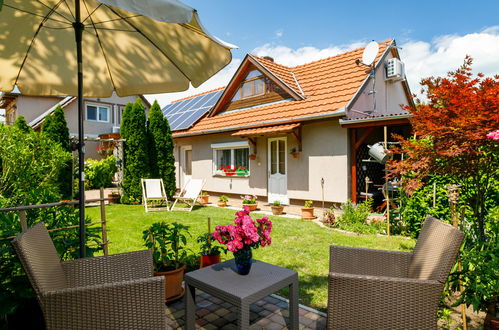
column 324, row 155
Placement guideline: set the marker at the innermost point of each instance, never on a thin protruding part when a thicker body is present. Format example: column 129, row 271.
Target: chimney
column 268, row 58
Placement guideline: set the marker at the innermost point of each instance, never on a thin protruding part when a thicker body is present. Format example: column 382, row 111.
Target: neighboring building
column 102, row 115
column 328, row 111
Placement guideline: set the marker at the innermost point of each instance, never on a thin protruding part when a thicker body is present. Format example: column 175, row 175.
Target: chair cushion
column 435, row 251
column 40, row 260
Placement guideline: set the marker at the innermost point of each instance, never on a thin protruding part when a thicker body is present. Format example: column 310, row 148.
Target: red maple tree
column 451, row 130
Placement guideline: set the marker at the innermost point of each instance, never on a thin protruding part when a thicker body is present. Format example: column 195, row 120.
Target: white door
column 277, row 171
column 185, row 164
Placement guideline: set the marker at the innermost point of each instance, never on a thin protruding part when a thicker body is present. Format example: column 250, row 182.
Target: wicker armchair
column 375, row 289
column 113, row 292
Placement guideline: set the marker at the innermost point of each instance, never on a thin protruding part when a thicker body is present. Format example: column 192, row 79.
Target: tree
column 162, row 161
column 55, row 128
column 22, row 125
column 453, row 140
column 136, row 151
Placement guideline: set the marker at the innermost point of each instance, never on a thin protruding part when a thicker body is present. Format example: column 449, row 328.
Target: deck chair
column 153, row 191
column 189, row 195
column 375, row 289
column 110, row 292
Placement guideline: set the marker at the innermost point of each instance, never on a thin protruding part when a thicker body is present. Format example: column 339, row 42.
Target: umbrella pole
column 78, row 27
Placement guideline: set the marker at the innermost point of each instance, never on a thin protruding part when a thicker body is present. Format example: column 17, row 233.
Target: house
column 102, row 115
column 293, row 133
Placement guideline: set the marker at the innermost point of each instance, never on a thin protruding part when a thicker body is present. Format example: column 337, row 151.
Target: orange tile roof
column 328, row 84
column 266, row 129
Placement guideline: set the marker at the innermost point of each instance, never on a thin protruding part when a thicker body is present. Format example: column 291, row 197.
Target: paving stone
column 321, row 323
column 178, row 314
column 204, row 303
column 210, row 327
column 263, row 322
column 202, row 312
column 260, row 302
column 272, row 300
column 220, row 322
column 305, row 321
column 201, row 322
column 302, row 311
column 211, row 317
column 264, row 313
column 273, row 326
column 253, row 316
column 229, row 326
column 256, row 308
column 230, row 317
column 312, row 316
column 277, row 319
column 227, row 305
column 212, row 307
column 270, row 307
column 222, row 311
column 216, row 300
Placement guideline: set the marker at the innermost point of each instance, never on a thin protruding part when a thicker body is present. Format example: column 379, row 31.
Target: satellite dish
column 370, row 53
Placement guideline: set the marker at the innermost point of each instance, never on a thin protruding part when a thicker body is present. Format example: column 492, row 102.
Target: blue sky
column 434, row 35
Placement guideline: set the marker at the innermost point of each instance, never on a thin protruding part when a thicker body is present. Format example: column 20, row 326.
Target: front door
column 185, row 164
column 277, row 171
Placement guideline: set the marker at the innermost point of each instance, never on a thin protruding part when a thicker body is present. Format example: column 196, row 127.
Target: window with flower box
column 231, row 159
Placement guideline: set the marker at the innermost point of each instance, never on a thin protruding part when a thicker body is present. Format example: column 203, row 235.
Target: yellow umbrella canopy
column 122, row 50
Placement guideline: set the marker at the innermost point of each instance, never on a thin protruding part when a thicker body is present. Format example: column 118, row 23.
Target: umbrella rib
column 100, row 44
column 148, row 39
column 115, row 19
column 90, row 14
column 35, row 14
column 52, row 10
column 69, row 9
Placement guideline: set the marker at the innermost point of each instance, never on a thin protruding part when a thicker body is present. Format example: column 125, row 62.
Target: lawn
column 296, row 244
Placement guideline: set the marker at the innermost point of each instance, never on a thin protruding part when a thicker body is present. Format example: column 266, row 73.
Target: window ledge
column 230, row 176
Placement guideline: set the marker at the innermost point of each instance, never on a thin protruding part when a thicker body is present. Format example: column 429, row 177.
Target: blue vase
column 242, row 259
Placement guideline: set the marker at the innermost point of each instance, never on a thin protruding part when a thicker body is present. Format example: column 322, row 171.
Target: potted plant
column 277, row 208
column 210, row 253
column 242, row 236
column 250, row 201
column 204, row 198
column 252, row 156
column 168, row 244
column 307, row 211
column 115, row 195
column 222, row 201
column 295, row 153
column 242, row 171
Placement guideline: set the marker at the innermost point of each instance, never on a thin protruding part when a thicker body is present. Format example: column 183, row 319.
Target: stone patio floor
column 268, row 313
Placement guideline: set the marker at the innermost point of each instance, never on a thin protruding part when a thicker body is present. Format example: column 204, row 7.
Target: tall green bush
column 99, row 173
column 21, row 124
column 162, row 161
column 136, row 151
column 55, row 128
column 29, row 167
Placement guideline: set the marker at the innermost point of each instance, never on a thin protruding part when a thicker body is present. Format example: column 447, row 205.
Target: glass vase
column 242, row 258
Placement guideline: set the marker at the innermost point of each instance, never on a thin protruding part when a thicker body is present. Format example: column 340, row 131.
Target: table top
column 263, row 277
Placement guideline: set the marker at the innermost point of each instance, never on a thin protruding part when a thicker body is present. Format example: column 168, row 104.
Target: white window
column 98, row 112
column 231, row 159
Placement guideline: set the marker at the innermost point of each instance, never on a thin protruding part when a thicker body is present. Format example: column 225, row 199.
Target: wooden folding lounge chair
column 375, row 289
column 189, row 195
column 153, row 192
column 113, row 292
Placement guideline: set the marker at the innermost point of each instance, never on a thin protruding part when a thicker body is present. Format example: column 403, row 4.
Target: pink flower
column 493, row 135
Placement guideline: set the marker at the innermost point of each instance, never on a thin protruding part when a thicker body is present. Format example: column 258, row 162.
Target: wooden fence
column 21, row 209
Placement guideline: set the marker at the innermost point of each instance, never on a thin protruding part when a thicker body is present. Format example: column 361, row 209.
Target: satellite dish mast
column 368, row 57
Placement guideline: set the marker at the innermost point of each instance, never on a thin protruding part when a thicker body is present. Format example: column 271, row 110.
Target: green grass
column 296, row 244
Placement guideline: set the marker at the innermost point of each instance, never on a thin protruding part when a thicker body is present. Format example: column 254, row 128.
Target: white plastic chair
column 153, row 191
column 189, row 195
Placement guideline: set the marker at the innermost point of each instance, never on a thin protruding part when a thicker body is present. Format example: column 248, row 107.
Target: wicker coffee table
column 222, row 281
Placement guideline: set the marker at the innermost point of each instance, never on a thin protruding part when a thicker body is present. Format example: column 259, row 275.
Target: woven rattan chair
column 113, row 292
column 375, row 289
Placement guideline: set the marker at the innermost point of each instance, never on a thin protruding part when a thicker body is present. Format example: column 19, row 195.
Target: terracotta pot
column 277, row 210
column 204, row 199
column 252, row 207
column 252, row 156
column 222, row 204
column 307, row 213
column 208, row 260
column 295, row 154
column 173, row 283
column 115, row 198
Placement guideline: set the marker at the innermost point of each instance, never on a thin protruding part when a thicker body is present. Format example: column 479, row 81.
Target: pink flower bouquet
column 245, row 232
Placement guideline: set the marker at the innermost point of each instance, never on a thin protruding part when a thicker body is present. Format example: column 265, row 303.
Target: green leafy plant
column 223, row 199
column 355, row 213
column 204, row 193
column 99, row 173
column 293, row 151
column 208, row 247
column 168, row 243
column 308, row 204
column 249, row 199
column 276, row 203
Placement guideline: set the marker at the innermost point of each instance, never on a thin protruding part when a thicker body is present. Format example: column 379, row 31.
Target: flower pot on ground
column 204, row 198
column 168, row 244
column 222, row 201
column 307, row 211
column 277, row 208
column 115, row 197
column 210, row 252
column 244, row 235
column 250, row 201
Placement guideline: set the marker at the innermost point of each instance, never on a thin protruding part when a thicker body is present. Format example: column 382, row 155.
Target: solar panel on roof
column 183, row 114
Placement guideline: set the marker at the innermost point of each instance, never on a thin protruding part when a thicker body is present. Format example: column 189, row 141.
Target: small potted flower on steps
column 205, row 198
column 250, row 201
column 307, row 211
column 277, row 208
column 222, row 201
column 168, row 244
column 210, row 253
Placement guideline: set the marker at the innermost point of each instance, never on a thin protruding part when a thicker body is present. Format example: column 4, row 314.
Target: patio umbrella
column 48, row 47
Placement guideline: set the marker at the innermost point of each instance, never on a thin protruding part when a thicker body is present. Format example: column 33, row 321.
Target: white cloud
column 422, row 59
column 218, row 80
column 447, row 52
